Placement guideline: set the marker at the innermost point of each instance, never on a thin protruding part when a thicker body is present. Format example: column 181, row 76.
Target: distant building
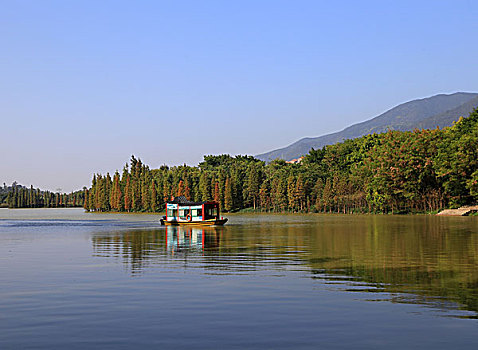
column 295, row 161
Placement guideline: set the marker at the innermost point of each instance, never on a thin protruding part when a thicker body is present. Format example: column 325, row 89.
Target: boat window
column 211, row 213
column 197, row 212
column 183, row 213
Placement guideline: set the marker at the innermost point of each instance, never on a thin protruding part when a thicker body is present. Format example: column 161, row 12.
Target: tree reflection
column 420, row 259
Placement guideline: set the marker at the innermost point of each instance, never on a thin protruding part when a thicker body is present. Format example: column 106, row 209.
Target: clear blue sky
column 85, row 84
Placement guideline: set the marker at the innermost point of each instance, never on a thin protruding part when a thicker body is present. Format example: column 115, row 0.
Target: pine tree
column 228, row 200
column 180, row 188
column 154, row 198
column 135, row 196
column 30, row 197
column 216, row 192
column 10, row 199
column 300, row 193
column 221, row 181
column 317, row 191
column 166, row 191
column 281, row 195
column 251, row 190
column 264, row 196
column 86, row 203
column 291, row 192
column 327, row 195
column 204, row 186
column 115, row 197
column 145, row 196
column 187, row 190
column 127, row 195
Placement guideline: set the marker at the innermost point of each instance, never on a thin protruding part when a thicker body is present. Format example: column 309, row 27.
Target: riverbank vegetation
column 392, row 172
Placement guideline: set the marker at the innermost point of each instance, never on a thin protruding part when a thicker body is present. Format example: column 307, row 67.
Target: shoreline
column 247, row 212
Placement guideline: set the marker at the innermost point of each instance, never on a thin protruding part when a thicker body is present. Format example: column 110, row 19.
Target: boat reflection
column 139, row 249
column 180, row 238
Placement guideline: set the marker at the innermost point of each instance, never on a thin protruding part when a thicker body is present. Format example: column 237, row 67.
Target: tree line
column 392, row 172
column 18, row 196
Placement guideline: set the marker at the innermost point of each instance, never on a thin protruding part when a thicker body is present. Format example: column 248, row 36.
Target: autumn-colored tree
column 180, row 188
column 216, row 192
column 115, row 196
column 187, row 190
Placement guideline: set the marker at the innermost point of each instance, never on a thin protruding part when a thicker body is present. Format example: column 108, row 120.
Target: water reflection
column 142, row 248
column 135, row 248
column 179, row 239
column 421, row 260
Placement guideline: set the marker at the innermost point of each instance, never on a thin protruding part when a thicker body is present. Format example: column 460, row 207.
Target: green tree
column 228, row 200
column 205, row 186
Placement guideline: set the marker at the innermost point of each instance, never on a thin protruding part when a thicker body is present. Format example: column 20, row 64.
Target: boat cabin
column 182, row 211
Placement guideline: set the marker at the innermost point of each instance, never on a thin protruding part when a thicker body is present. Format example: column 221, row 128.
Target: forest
column 18, row 196
column 394, row 172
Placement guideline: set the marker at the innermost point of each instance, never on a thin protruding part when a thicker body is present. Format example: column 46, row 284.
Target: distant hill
column 439, row 110
column 447, row 118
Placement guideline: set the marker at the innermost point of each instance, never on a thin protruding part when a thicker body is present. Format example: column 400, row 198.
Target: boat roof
column 182, row 200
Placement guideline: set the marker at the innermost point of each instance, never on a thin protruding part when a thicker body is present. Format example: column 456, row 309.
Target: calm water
column 74, row 280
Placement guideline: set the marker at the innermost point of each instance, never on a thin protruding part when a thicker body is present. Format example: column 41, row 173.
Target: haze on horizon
column 85, row 85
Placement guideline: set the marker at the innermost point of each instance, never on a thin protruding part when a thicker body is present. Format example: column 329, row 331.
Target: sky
column 86, row 84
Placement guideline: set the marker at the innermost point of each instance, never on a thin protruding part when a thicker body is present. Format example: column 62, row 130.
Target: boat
column 181, row 211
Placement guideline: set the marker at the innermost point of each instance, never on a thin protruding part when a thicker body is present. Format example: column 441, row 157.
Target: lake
column 79, row 280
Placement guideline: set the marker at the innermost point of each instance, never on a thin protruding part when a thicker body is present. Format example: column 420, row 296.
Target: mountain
column 439, row 110
column 447, row 118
